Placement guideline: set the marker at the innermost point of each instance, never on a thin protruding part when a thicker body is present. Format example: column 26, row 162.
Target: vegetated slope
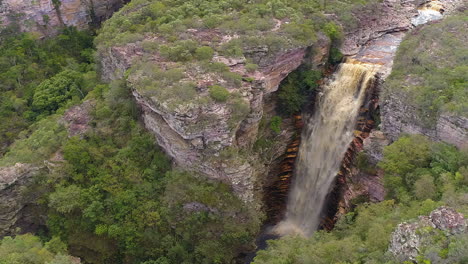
column 26, row 62
column 427, row 91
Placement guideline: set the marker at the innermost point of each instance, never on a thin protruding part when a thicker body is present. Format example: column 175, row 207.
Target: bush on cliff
column 296, row 89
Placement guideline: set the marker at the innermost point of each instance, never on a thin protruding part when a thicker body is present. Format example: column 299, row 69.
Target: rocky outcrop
column 399, row 117
column 46, row 16
column 409, row 239
column 373, row 23
column 77, row 119
column 18, row 208
column 402, row 112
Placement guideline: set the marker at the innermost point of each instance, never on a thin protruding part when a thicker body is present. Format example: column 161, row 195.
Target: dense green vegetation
column 114, row 197
column 118, row 191
column 27, row 63
column 296, row 89
column 431, row 70
column 29, row 249
column 412, row 163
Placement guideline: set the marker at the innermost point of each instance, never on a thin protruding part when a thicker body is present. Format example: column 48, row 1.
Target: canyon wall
column 206, row 137
column 201, row 137
column 46, row 16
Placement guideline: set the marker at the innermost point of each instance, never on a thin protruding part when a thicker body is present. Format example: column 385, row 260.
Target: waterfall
column 326, row 136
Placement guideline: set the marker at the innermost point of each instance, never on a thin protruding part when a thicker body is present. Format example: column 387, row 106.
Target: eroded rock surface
column 17, row 204
column 399, row 117
column 409, row 238
column 43, row 17
column 77, row 119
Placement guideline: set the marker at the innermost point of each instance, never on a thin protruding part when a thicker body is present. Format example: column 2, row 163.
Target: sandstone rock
column 77, row 119
column 17, row 208
column 194, row 134
column 30, row 15
column 409, row 238
column 373, row 146
column 447, row 219
column 198, row 207
column 398, row 117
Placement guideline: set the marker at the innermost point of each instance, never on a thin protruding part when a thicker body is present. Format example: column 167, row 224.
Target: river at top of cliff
column 429, row 11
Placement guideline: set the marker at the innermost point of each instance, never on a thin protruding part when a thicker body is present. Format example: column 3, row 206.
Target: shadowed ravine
column 319, row 160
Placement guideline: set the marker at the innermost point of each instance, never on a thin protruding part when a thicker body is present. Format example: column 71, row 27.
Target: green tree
column 28, row 249
column 53, row 93
column 424, row 188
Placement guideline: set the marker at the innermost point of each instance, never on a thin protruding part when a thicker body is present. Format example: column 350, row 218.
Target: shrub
column 54, row 92
column 275, row 124
column 219, row 93
column 251, row 67
column 204, row 53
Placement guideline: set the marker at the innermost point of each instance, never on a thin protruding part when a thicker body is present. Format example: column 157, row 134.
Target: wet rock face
column 17, row 206
column 42, row 16
column 409, row 238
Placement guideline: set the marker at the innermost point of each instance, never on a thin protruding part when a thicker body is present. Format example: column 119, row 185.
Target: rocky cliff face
column 401, row 111
column 45, row 16
column 400, row 117
column 209, row 137
column 20, row 192
column 18, row 208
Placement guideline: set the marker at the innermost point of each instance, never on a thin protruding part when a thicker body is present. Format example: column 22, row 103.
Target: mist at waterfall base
column 325, row 139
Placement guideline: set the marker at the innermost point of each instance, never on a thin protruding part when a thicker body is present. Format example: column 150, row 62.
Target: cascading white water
column 325, row 140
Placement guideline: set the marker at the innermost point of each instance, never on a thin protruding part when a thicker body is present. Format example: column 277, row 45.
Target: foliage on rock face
column 29, row 249
column 431, row 69
column 296, row 89
column 363, row 236
column 219, row 93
